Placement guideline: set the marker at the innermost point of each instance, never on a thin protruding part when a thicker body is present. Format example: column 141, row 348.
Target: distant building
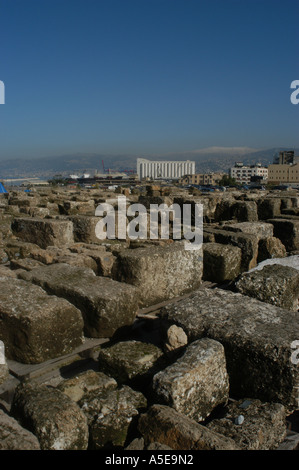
column 246, row 174
column 285, row 168
column 288, row 173
column 286, row 157
column 202, row 179
column 164, row 169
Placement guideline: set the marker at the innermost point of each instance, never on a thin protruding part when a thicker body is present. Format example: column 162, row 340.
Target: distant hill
column 207, row 160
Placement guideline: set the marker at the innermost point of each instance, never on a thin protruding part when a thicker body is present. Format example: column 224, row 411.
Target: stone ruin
column 140, row 344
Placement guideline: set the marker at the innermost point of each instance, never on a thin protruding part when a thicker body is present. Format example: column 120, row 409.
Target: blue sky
column 146, row 76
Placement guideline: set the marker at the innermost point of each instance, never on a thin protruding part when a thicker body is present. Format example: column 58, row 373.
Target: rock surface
column 34, row 326
column 130, row 361
column 54, row 418
column 110, row 414
column 263, row 428
column 14, row 437
column 221, row 262
column 165, row 425
column 77, row 387
column 274, row 284
column 256, row 336
column 44, row 232
column 197, row 382
column 160, row 273
column 106, row 305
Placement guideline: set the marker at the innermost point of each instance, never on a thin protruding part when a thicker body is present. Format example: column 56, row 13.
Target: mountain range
column 211, row 159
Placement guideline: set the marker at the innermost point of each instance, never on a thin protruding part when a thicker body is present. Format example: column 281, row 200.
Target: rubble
column 256, row 337
column 142, row 344
column 263, row 426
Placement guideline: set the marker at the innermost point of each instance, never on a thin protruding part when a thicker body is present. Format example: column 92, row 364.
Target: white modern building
column 243, row 174
column 164, row 169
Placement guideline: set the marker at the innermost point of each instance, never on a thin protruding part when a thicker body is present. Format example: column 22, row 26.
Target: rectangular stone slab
column 34, row 326
column 160, row 273
column 256, row 336
column 44, row 232
column 106, row 305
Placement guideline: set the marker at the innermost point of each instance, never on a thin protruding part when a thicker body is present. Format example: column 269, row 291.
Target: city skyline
column 146, row 77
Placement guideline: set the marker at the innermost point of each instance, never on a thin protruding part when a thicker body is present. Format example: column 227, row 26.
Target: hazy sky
column 146, row 76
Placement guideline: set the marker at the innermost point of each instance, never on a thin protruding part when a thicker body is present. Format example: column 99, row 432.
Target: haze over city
column 146, row 77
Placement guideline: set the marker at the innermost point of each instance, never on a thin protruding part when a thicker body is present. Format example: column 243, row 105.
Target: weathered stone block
column 85, row 228
column 259, row 229
column 44, row 232
column 287, row 231
column 274, row 284
column 256, row 336
column 77, row 387
column 263, row 428
column 106, row 305
column 270, row 247
column 160, row 273
column 34, row 326
column 245, row 211
column 14, row 437
column 77, row 207
column 54, row 418
column 247, row 242
column 197, row 382
column 221, row 262
column 165, row 425
column 110, row 413
column 130, row 361
column 268, row 208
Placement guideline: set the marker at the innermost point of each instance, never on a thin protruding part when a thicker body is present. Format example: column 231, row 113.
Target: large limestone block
column 287, row 231
column 14, row 437
column 130, row 361
column 275, row 284
column 197, row 382
column 245, row 211
column 256, row 336
column 106, row 305
column 110, row 414
column 44, row 232
column 160, row 273
column 85, row 228
column 247, row 242
column 270, row 247
column 260, row 229
column 221, row 262
column 54, row 418
column 77, row 387
column 165, row 425
column 35, row 326
column 268, row 208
